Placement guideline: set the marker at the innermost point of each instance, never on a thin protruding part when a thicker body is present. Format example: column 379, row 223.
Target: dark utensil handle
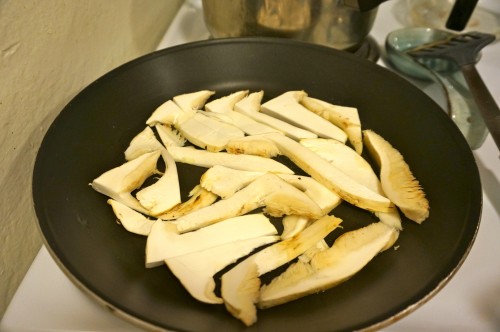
column 363, row 5
column 460, row 14
column 484, row 100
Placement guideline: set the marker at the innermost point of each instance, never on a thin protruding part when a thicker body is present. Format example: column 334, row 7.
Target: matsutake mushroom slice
column 193, row 100
column 276, row 195
column 196, row 270
column 202, row 158
column 240, row 285
column 119, row 182
column 287, row 106
column 330, row 176
column 130, row 219
column 198, row 198
column 165, row 193
column 250, row 106
column 142, row 143
column 355, row 166
column 165, row 240
column 207, row 132
column 346, row 118
column 326, row 268
column 397, row 180
column 225, row 104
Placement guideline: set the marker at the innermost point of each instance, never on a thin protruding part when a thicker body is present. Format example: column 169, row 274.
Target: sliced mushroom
column 397, row 180
column 330, row 176
column 198, row 198
column 130, row 219
column 225, row 104
column 165, row 241
column 119, row 182
column 240, row 285
column 142, row 143
column 208, row 133
column 243, row 162
column 277, row 196
column 194, row 100
column 204, row 264
column 287, row 106
column 326, row 268
column 346, row 118
column 164, row 193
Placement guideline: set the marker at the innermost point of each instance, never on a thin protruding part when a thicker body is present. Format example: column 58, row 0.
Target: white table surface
column 48, row 301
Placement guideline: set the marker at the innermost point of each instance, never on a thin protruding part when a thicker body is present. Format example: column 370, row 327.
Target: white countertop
column 48, row 301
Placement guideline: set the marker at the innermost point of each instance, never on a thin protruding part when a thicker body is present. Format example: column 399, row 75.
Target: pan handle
column 484, row 100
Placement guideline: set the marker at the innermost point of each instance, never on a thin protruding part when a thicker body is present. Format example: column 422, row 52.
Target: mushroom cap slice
column 398, row 182
column 169, row 136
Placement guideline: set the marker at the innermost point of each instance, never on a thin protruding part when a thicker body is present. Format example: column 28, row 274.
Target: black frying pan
column 92, row 132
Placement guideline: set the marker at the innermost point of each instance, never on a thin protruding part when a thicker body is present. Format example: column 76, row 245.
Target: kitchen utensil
column 339, row 24
column 458, row 102
column 464, row 49
column 91, row 133
column 436, row 13
column 460, row 14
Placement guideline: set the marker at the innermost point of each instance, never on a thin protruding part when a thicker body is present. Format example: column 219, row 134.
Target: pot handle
column 363, row 5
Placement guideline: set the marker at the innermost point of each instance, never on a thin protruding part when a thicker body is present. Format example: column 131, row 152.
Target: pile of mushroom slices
column 236, row 137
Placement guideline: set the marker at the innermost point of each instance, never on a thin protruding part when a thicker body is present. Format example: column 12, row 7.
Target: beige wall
column 50, row 50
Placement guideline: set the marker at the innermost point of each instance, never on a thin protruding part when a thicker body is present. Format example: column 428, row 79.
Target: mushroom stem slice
column 346, row 118
column 327, row 268
column 269, row 191
column 240, row 285
column 119, row 182
column 243, row 162
column 287, row 106
column 194, row 100
column 165, row 241
column 142, row 143
column 130, row 219
column 225, row 104
column 164, row 193
column 206, row 263
column 200, row 198
column 330, row 176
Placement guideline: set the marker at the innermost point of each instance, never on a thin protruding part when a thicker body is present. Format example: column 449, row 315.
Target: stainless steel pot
column 341, row 24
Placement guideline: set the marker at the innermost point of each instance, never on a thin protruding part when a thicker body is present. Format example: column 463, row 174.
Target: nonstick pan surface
column 94, row 129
